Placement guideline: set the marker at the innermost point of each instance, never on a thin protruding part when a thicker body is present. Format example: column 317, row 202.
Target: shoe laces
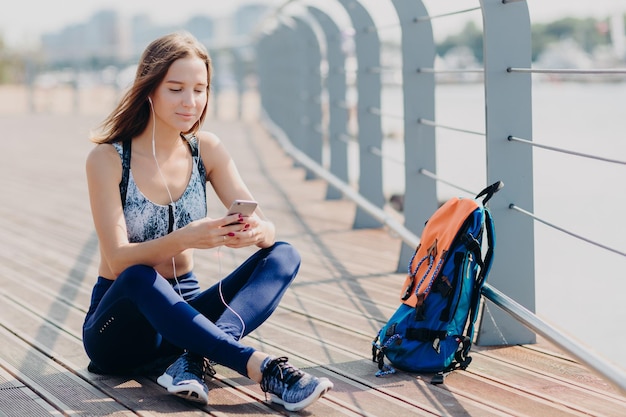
column 279, row 371
column 199, row 366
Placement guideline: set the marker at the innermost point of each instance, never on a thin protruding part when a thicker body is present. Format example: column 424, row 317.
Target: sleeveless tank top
column 146, row 220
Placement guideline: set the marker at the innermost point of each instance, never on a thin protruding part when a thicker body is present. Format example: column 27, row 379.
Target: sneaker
column 185, row 378
column 289, row 386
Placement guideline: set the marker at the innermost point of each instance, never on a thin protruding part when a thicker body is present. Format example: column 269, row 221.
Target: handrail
column 349, row 192
column 289, row 126
column 516, row 310
column 530, row 320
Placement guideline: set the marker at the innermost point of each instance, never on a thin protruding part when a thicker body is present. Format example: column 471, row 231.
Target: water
column 580, row 288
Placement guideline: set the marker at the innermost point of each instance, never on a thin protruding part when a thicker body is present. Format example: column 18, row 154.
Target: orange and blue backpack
column 432, row 329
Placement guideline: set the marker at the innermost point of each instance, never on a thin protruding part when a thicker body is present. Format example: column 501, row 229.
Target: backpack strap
column 461, row 360
column 484, row 270
column 490, row 230
column 490, row 191
column 491, row 244
column 378, row 354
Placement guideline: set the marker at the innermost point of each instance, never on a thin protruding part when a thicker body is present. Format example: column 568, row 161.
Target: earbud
column 150, row 100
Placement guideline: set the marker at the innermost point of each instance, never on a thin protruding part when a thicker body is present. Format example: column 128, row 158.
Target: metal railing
column 320, row 82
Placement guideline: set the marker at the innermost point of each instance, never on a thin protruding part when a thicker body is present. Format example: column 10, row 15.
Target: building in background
column 108, row 38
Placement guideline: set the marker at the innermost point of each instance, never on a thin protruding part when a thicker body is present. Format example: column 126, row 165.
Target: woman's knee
column 288, row 254
column 285, row 259
column 136, row 277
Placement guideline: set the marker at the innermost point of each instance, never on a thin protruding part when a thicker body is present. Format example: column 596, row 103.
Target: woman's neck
column 161, row 141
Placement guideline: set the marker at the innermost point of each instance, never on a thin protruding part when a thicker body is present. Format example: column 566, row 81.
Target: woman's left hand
column 252, row 231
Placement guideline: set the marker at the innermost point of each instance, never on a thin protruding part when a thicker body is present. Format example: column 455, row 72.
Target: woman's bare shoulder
column 207, row 138
column 214, row 153
column 103, row 156
column 102, row 150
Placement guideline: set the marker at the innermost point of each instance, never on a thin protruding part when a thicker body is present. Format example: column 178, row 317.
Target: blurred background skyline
column 100, row 41
column 29, row 20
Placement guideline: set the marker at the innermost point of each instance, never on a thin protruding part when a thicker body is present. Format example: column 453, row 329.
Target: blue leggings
column 141, row 318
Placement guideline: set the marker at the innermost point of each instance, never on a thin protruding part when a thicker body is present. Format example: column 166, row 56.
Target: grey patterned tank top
column 146, row 220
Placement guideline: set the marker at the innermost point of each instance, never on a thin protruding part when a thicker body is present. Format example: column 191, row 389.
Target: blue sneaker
column 289, row 386
column 185, row 378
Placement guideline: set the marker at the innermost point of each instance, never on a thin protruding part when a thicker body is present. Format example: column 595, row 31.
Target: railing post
column 418, row 51
column 287, row 82
column 239, row 72
column 507, row 43
column 369, row 87
column 311, row 90
column 267, row 70
column 336, row 90
column 264, row 71
column 215, row 82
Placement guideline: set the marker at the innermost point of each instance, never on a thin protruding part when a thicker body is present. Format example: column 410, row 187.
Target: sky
column 29, row 19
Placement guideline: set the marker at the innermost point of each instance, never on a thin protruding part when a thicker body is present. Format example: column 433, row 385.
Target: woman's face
column 182, row 96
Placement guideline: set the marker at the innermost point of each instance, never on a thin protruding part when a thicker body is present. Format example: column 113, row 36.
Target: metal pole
column 507, row 44
column 336, row 90
column 369, row 87
column 418, row 51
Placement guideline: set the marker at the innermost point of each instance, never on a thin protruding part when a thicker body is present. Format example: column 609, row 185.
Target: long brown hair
column 132, row 114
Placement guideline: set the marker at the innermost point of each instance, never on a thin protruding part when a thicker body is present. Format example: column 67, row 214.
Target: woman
column 147, row 177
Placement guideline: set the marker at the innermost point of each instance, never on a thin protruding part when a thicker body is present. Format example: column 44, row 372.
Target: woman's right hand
column 210, row 233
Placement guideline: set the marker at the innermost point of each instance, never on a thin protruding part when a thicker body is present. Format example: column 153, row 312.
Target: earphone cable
column 219, row 287
column 243, row 324
column 172, row 206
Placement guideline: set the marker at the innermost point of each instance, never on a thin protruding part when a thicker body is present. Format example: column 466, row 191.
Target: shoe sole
column 322, row 388
column 189, row 392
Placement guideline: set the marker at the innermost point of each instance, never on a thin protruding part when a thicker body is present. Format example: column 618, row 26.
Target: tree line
column 589, row 33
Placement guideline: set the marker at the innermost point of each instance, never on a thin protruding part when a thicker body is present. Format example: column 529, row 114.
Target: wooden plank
column 16, row 399
column 140, row 394
column 346, row 289
column 51, row 382
column 465, row 386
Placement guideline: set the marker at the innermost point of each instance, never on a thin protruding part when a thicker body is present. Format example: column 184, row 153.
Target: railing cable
column 429, row 70
column 379, row 112
column 568, row 71
column 433, row 176
column 554, row 148
column 379, row 152
column 438, row 16
column 521, row 210
column 420, row 19
column 438, row 125
column 376, row 212
column 347, row 138
column 379, row 70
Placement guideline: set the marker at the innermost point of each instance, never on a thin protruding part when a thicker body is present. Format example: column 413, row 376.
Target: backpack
column 432, row 329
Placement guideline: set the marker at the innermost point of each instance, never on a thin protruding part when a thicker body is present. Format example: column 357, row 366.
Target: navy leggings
column 141, row 318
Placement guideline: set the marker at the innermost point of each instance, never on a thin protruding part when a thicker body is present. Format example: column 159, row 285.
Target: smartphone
column 243, row 207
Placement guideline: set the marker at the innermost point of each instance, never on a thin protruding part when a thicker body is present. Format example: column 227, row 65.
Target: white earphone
column 172, row 205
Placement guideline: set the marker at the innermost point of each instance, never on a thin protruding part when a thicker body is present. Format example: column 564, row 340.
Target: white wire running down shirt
column 146, row 220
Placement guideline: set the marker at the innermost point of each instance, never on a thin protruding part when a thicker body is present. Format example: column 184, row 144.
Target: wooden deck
column 346, row 289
